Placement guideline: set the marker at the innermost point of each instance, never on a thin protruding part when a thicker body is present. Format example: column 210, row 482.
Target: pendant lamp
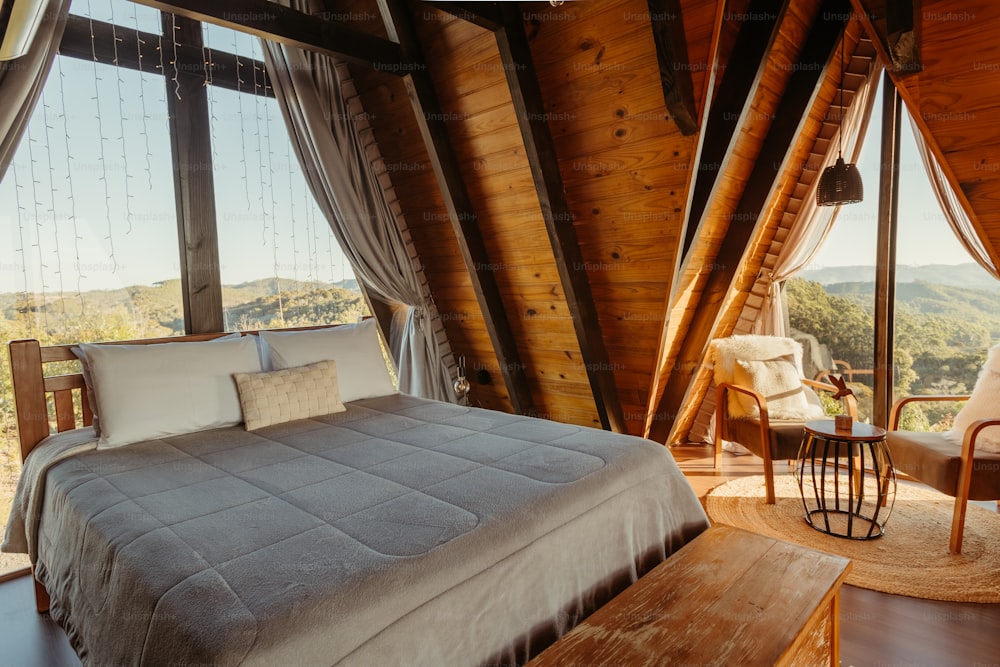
column 841, row 183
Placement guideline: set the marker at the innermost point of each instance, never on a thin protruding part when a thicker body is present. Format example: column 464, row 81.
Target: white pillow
column 361, row 369
column 984, row 403
column 779, row 382
column 291, row 393
column 88, row 379
column 145, row 392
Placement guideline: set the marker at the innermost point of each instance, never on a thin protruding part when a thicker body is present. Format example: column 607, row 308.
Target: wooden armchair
column 772, row 434
column 784, row 436
column 961, row 471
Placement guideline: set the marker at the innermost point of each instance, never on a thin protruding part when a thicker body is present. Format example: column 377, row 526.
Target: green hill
column 156, row 310
column 975, row 307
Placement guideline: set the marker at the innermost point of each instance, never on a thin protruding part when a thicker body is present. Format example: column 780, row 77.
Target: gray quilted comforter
column 402, row 531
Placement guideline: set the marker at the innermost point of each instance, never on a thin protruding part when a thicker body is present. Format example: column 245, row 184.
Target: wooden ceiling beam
column 447, row 169
column 897, row 28
column 540, row 150
column 78, row 43
column 800, row 95
column 294, row 28
column 487, row 15
column 675, row 68
column 729, row 109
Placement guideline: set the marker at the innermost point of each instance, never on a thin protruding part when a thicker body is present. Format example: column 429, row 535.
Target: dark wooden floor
column 877, row 630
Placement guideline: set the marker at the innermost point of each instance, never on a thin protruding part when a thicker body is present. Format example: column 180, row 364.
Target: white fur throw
column 983, row 404
column 723, row 354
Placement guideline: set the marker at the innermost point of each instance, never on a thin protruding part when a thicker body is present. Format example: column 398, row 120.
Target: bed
column 394, row 530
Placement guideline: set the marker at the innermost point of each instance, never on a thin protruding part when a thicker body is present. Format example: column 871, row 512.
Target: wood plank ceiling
column 623, row 166
column 551, row 197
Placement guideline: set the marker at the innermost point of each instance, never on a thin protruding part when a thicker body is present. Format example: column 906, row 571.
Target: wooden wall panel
column 625, row 168
column 469, row 76
column 391, row 117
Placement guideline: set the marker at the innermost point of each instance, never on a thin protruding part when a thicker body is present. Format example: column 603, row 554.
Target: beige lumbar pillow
column 291, row 393
column 779, row 382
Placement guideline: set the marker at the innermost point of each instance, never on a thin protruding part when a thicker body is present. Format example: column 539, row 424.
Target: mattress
column 402, row 531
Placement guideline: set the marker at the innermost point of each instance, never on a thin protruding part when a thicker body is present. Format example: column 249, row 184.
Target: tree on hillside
column 933, row 353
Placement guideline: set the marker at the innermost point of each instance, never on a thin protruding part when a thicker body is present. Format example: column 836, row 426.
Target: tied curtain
column 308, row 87
column 22, row 79
column 952, row 208
column 814, row 222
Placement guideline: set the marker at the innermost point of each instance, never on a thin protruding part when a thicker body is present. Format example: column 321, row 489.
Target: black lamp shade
column 840, row 184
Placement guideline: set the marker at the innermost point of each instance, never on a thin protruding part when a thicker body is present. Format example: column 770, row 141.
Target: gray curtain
column 22, row 79
column 329, row 148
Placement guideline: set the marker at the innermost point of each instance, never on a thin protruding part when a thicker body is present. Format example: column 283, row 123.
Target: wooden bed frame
column 33, row 390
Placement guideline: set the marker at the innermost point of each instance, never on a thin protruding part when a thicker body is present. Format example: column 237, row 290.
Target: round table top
column 859, row 431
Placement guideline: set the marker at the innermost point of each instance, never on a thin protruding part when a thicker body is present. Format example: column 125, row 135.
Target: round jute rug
column 912, row 558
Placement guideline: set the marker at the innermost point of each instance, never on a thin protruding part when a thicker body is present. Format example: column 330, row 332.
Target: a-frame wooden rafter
column 801, row 92
column 293, row 28
column 729, row 109
column 666, row 22
column 428, row 113
column 540, row 150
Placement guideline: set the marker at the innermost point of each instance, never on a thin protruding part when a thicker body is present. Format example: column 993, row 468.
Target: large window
column 947, row 314
column 90, row 246
column 945, row 305
column 281, row 265
column 831, row 304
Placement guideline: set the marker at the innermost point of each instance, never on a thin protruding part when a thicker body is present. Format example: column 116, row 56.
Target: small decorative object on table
column 843, row 422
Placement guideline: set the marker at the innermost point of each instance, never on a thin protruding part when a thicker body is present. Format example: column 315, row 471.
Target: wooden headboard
column 32, row 389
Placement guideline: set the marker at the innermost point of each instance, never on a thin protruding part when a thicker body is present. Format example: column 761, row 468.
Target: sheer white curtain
column 22, row 79
column 952, row 208
column 308, row 87
column 813, row 222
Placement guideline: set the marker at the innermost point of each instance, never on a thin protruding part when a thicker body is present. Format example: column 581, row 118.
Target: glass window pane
column 89, row 249
column 946, row 315
column 280, row 263
column 120, row 12
column 833, row 299
column 232, row 41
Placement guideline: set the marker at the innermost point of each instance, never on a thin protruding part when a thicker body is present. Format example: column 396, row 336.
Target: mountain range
column 957, row 275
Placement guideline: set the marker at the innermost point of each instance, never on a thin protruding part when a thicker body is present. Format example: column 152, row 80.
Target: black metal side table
column 846, row 479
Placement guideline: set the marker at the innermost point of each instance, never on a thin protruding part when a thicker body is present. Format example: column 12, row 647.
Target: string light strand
column 70, row 198
column 100, row 143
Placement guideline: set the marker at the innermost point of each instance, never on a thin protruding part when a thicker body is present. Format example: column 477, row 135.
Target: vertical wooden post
column 194, row 187
column 885, row 257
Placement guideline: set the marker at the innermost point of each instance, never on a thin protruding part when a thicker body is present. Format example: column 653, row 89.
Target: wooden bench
column 730, row 597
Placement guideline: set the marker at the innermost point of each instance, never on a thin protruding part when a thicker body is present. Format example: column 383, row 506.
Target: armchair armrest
column 720, row 399
column 897, row 407
column 850, row 402
column 965, row 478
